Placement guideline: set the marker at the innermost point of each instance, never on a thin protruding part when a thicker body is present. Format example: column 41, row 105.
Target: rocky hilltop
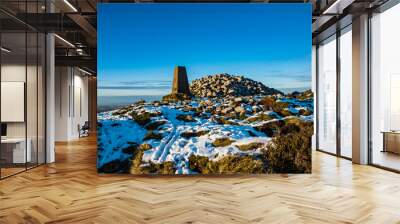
column 222, row 85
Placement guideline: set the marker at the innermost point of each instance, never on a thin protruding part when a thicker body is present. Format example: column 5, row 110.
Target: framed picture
column 204, row 88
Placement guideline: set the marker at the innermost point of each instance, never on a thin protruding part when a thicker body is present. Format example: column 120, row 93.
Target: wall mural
column 204, row 88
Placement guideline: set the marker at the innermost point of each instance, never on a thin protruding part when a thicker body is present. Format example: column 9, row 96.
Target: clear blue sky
column 140, row 44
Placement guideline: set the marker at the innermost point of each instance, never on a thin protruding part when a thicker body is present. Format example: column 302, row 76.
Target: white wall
column 71, row 103
column 314, row 89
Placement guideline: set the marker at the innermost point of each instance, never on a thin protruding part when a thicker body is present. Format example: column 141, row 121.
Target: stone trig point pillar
column 180, row 83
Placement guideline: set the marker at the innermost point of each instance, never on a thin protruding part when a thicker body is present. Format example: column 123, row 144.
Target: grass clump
column 289, row 128
column 191, row 134
column 226, row 165
column 290, row 153
column 271, row 128
column 150, row 168
column 250, row 146
column 166, row 168
column 221, row 142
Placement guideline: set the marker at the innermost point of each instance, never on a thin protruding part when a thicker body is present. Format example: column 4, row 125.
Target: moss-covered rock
column 221, row 142
column 176, row 97
column 305, row 112
column 152, row 135
column 226, row 165
column 120, row 112
column 131, row 149
column 115, row 166
column 250, row 146
column 224, row 121
column 154, row 125
column 145, row 146
column 279, row 105
column 142, row 118
column 166, row 168
column 260, row 117
column 185, row 118
column 138, row 167
column 197, row 163
column 284, row 113
column 267, row 102
column 271, row 128
column 191, row 134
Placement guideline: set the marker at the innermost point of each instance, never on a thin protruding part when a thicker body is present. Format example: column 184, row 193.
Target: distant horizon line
column 284, row 90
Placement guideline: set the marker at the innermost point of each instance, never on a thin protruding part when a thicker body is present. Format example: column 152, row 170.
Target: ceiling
column 75, row 21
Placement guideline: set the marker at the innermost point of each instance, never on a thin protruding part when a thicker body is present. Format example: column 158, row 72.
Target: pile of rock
column 222, row 85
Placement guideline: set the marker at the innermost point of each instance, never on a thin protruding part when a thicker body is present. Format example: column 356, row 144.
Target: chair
column 84, row 130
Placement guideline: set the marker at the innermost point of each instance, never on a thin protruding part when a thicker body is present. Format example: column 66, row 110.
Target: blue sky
column 140, row 44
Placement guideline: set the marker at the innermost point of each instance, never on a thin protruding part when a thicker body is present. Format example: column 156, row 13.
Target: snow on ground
column 115, row 135
column 116, row 132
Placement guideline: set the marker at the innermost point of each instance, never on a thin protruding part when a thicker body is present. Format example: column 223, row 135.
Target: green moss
column 221, row 142
column 198, row 163
column 151, row 168
column 166, row 168
column 194, row 134
column 226, row 165
column 152, row 135
column 250, row 146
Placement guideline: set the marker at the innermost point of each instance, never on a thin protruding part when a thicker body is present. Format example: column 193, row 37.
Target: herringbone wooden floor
column 70, row 191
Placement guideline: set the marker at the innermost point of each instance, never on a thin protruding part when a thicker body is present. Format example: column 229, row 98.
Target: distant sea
column 106, row 103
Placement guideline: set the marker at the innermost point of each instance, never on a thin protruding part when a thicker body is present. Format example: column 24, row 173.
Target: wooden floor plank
column 70, row 191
